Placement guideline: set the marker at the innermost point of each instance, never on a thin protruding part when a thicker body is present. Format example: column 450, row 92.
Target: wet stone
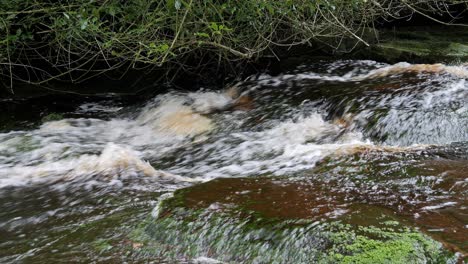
column 426, row 190
column 269, row 197
column 413, row 189
column 266, row 220
column 421, row 44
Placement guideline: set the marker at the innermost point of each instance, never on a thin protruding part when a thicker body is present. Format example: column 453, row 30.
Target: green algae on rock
column 189, row 225
column 52, row 117
column 426, row 187
column 418, row 44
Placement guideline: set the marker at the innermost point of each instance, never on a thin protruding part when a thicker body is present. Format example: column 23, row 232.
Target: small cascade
column 289, row 163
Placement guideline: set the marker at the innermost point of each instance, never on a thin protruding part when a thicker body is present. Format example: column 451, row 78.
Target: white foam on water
column 460, row 71
column 429, row 110
column 288, row 146
column 202, row 143
column 206, row 260
column 439, row 206
column 431, row 116
column 98, row 108
column 206, row 102
column 358, row 74
column 182, row 127
column 157, row 209
column 113, row 164
column 72, row 148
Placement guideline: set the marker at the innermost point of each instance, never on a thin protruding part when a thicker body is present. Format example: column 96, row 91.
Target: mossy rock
column 191, row 225
column 52, row 117
column 421, row 45
column 421, row 52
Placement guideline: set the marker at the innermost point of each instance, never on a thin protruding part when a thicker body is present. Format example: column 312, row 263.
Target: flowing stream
column 74, row 189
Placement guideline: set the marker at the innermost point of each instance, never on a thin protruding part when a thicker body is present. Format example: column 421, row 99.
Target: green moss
column 439, row 44
column 52, row 117
column 102, row 245
column 376, row 245
column 391, row 223
column 437, row 49
column 457, row 50
column 238, row 235
column 398, row 47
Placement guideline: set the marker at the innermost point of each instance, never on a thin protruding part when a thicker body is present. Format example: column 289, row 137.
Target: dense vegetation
column 76, row 40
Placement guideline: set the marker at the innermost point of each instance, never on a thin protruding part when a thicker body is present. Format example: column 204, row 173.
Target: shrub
column 76, row 40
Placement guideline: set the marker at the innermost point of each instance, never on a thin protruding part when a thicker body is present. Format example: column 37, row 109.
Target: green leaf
column 83, row 24
column 96, row 13
column 158, row 49
column 112, row 10
column 214, row 26
column 164, row 47
column 202, row 34
column 170, row 4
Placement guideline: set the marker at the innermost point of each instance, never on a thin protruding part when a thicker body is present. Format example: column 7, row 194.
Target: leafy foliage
column 77, row 39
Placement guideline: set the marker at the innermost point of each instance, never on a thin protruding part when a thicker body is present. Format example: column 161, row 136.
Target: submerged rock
column 52, row 117
column 269, row 221
column 190, row 115
column 185, row 122
column 174, row 118
column 374, row 205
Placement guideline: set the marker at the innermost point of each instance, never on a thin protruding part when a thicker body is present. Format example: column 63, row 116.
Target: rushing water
column 73, row 188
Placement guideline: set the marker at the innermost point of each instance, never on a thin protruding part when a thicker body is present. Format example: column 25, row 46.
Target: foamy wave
column 181, row 133
column 113, row 164
column 432, row 116
column 66, row 149
column 403, row 67
column 458, row 71
column 430, row 110
column 206, row 102
column 286, row 147
column 173, row 117
column 207, row 260
column 98, row 108
column 164, row 125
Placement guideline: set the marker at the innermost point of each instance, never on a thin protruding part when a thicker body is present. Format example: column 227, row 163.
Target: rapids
column 68, row 187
